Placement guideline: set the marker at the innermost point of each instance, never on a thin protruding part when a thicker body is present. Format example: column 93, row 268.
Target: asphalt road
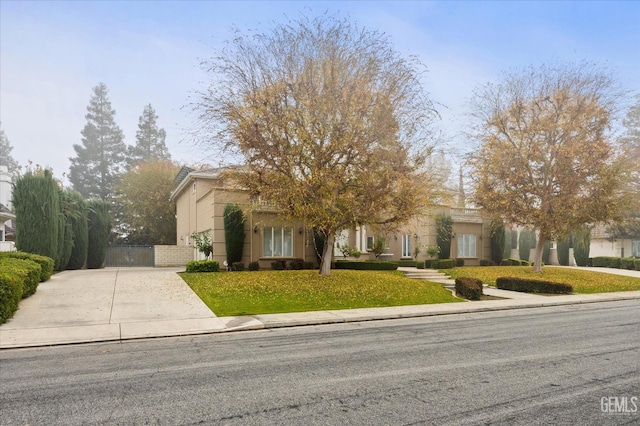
column 534, row 366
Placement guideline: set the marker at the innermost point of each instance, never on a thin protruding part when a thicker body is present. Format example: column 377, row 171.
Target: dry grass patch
column 583, row 281
column 250, row 293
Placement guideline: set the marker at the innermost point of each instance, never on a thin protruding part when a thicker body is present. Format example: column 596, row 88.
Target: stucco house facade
column 7, row 234
column 201, row 197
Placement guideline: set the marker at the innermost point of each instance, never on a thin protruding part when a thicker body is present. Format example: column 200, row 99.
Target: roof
column 5, row 213
column 186, row 175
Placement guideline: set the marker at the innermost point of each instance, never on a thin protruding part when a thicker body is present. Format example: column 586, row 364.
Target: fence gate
column 129, row 256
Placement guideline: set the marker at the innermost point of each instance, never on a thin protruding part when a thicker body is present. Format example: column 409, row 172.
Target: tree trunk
column 537, row 260
column 327, row 255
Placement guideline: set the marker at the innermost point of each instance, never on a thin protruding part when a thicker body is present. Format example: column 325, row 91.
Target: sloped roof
column 5, row 213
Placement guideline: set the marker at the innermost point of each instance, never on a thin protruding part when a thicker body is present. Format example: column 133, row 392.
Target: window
column 466, row 245
column 277, row 241
column 406, row 246
column 369, row 243
column 635, row 248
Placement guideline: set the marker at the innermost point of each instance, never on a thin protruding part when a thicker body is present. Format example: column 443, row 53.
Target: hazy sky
column 53, row 53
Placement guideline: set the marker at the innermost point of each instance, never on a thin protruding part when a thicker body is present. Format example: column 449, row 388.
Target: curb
column 123, row 332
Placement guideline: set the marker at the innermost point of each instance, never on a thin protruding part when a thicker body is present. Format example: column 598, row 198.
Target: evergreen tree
column 233, row 233
column 36, row 204
column 99, row 228
column 497, row 240
column 150, row 140
column 101, row 157
column 444, row 227
column 80, row 230
column 5, row 154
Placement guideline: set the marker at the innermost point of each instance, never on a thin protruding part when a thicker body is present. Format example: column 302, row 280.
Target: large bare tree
column 331, row 124
column 545, row 157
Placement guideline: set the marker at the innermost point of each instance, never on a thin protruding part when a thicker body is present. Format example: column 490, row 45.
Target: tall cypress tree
column 79, row 226
column 101, row 157
column 36, row 205
column 233, row 233
column 99, row 228
column 444, row 228
column 150, row 140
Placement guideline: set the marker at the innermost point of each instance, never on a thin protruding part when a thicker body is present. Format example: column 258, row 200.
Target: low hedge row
column 203, row 266
column 514, row 262
column 442, row 263
column 20, row 274
column 369, row 265
column 469, row 288
column 631, row 263
column 408, row 263
column 46, row 263
column 527, row 285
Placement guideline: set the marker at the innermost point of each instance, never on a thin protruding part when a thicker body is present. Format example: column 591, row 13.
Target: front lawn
column 266, row 292
column 582, row 281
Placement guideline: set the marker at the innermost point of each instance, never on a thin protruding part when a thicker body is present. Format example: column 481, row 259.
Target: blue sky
column 53, row 53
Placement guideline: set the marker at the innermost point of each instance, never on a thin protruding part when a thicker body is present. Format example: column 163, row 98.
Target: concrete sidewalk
column 115, row 304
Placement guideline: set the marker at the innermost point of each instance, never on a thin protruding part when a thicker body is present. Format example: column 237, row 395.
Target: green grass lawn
column 265, row 292
column 583, row 281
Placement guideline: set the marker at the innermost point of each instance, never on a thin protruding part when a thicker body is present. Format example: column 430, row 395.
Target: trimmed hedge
column 46, row 263
column 407, row 263
column 254, row 266
column 369, row 265
column 427, row 263
column 636, row 264
column 420, row 265
column 203, row 266
column 627, row 263
column 526, row 285
column 296, row 264
column 237, row 266
column 459, row 262
column 469, row 288
column 27, row 270
column 11, row 289
column 442, row 263
column 606, row 262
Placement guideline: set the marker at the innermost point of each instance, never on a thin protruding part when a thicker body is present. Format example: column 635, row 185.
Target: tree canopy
column 546, row 158
column 6, row 159
column 143, row 193
column 150, row 140
column 101, row 157
column 331, row 124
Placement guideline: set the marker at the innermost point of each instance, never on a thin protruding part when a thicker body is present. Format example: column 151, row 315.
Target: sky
column 53, row 53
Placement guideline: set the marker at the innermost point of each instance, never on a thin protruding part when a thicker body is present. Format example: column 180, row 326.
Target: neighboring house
column 201, row 197
column 7, row 233
column 602, row 244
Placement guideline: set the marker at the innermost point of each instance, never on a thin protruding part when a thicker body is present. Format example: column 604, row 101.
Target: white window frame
column 370, row 242
column 406, row 245
column 467, row 245
column 272, row 235
column 635, row 248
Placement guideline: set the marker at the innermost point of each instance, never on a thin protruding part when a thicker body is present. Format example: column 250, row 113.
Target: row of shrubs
column 20, row 274
column 630, row 263
column 527, row 285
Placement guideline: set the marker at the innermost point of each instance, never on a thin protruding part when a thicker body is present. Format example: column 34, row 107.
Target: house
column 201, row 197
column 603, row 244
column 7, row 233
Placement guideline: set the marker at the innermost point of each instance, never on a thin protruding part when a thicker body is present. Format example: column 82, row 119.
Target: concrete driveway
column 108, row 304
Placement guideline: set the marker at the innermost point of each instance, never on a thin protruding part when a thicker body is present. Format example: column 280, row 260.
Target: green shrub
column 469, row 288
column 636, row 264
column 237, row 266
column 27, row 270
column 36, row 204
column 99, row 229
column 442, row 264
column 46, row 263
column 370, row 265
column 606, row 262
column 309, row 265
column 279, row 265
column 296, row 264
column 506, row 262
column 11, row 289
column 484, row 262
column 254, row 266
column 444, row 228
column 203, row 266
column 420, row 265
column 428, row 263
column 527, row 285
column 626, row 263
column 234, row 234
column 407, row 263
column 497, row 236
column 526, row 243
column 581, row 246
column 459, row 262
column 80, row 228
